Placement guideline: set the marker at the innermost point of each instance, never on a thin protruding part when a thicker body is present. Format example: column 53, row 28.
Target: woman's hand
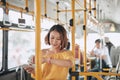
column 30, row 69
column 46, row 60
column 31, row 60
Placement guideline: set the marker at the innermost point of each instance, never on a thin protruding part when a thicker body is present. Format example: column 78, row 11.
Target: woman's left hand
column 29, row 68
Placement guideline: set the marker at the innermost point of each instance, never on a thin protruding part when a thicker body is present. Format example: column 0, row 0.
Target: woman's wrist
column 48, row 60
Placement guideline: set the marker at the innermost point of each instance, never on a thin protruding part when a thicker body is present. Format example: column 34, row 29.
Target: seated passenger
column 102, row 56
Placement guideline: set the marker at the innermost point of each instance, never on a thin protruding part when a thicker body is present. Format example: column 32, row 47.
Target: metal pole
column 76, row 10
column 57, row 10
column 90, row 7
column 84, row 28
column 45, row 8
column 73, row 32
column 38, row 71
column 26, row 8
column 95, row 8
column 5, row 50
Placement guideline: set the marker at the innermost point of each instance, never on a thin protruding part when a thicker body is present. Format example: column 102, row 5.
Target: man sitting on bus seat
column 102, row 57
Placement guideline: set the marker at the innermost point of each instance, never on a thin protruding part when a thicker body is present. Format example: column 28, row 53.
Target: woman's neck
column 55, row 50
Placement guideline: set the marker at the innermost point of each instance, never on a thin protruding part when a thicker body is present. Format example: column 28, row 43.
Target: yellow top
column 55, row 72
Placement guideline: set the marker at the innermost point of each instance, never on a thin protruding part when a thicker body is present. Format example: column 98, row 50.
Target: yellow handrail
column 18, row 29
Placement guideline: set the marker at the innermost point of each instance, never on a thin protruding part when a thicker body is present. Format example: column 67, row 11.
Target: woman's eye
column 52, row 37
column 58, row 39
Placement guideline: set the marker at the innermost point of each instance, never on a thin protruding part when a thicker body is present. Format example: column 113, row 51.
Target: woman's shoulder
column 68, row 54
column 43, row 50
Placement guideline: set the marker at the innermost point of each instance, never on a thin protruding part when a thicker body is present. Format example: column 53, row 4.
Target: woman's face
column 55, row 40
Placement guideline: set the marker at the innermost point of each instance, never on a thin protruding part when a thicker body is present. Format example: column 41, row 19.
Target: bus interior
column 84, row 20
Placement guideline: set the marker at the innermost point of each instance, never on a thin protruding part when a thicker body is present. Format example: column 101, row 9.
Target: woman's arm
column 65, row 63
column 60, row 62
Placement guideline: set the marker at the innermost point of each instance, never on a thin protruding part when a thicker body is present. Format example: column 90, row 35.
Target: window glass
column 46, row 24
column 21, row 46
column 91, row 37
column 114, row 38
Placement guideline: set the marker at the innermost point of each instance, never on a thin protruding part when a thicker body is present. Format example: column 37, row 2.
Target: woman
column 56, row 60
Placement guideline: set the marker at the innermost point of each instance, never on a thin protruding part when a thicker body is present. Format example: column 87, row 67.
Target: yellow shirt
column 55, row 72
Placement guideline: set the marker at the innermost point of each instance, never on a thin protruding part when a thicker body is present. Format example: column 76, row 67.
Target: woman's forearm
column 64, row 63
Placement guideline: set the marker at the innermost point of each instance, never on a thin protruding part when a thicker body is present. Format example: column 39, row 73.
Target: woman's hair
column 63, row 35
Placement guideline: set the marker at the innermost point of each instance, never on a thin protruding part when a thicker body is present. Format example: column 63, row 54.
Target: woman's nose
column 54, row 41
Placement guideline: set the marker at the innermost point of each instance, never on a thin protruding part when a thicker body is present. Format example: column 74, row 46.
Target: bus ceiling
column 98, row 11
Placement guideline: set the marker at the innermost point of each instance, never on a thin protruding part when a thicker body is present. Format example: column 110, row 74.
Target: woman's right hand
column 31, row 60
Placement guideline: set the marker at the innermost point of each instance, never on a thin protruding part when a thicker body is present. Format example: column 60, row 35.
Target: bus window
column 0, row 49
column 114, row 38
column 21, row 45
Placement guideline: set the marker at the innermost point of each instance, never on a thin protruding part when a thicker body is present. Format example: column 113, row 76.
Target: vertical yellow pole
column 45, row 8
column 57, row 10
column 95, row 8
column 90, row 6
column 73, row 31
column 26, row 2
column 38, row 72
column 84, row 28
